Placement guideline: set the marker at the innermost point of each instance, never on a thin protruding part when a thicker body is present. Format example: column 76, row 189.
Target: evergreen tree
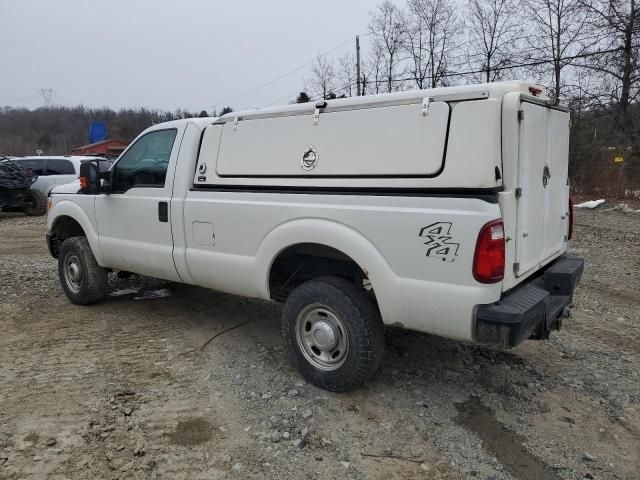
column 303, row 97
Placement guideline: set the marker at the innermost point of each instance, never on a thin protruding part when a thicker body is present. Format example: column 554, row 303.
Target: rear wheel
column 35, row 204
column 333, row 332
column 82, row 279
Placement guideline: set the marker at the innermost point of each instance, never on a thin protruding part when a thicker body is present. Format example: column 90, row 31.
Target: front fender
column 80, row 209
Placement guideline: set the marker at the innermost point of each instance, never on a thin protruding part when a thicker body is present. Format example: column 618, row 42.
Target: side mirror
column 89, row 178
column 105, row 179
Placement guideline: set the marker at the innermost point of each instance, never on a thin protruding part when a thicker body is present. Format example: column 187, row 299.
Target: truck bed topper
column 397, row 140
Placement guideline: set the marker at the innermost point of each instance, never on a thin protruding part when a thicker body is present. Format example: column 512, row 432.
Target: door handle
column 163, row 211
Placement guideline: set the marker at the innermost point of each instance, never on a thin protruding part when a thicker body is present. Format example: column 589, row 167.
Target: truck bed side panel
column 417, row 251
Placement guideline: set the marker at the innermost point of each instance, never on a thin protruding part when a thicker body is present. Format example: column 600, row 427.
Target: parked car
column 15, row 193
column 444, row 211
column 54, row 171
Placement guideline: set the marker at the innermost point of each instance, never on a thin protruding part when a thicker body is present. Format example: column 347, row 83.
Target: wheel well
column 306, row 261
column 63, row 228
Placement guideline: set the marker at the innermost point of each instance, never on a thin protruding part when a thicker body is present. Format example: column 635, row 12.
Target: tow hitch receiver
column 531, row 310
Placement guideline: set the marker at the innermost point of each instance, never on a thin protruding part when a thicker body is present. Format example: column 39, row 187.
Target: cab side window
column 60, row 167
column 145, row 163
column 37, row 167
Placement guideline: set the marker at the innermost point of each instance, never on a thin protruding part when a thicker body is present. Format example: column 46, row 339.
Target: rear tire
column 333, row 332
column 37, row 204
column 82, row 279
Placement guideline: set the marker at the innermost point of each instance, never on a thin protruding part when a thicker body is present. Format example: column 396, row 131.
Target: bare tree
column 617, row 67
column 373, row 71
column 440, row 24
column 493, row 34
column 417, row 47
column 323, row 81
column 388, row 30
column 347, row 74
column 559, row 34
column 619, row 25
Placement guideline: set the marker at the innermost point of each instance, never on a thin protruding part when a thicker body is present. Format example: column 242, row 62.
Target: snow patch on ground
column 590, row 204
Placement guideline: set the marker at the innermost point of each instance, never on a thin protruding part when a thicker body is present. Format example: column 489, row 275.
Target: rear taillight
column 488, row 261
column 570, row 219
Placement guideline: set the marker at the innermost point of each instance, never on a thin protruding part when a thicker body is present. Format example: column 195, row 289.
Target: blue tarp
column 97, row 132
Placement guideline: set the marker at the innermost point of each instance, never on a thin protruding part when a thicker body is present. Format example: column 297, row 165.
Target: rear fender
column 331, row 234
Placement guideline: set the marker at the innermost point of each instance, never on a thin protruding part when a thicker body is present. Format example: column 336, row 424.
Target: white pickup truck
column 444, row 211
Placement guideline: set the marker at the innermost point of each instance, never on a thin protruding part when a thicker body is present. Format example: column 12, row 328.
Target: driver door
column 134, row 219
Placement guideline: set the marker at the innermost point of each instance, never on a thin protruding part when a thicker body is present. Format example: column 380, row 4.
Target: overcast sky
column 167, row 54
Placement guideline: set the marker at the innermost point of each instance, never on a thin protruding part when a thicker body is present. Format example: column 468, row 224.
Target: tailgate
column 543, row 190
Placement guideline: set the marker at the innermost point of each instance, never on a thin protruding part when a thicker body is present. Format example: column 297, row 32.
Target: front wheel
column 82, row 279
column 333, row 332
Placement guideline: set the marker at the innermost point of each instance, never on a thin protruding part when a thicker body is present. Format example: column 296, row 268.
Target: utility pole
column 359, row 88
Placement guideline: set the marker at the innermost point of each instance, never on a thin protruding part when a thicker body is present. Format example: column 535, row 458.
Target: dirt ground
column 123, row 389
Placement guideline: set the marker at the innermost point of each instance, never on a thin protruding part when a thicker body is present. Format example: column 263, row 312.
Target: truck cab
column 444, row 211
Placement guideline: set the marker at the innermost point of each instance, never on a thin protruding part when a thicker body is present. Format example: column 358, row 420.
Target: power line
column 343, row 89
column 279, row 100
column 520, row 65
column 284, row 75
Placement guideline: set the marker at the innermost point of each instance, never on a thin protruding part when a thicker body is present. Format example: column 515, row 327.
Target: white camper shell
column 443, row 210
column 393, row 140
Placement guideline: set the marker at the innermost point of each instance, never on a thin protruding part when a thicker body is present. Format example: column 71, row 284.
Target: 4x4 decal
column 438, row 236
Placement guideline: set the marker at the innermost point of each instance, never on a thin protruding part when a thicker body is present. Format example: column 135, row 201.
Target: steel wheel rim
column 322, row 337
column 72, row 269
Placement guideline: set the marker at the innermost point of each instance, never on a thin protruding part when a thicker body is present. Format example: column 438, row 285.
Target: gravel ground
column 123, row 389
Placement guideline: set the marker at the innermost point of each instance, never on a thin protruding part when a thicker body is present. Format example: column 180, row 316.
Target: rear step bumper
column 532, row 309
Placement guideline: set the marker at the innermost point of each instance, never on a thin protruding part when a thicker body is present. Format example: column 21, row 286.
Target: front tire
column 82, row 279
column 333, row 332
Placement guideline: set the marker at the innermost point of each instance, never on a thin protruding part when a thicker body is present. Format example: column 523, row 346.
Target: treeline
column 57, row 130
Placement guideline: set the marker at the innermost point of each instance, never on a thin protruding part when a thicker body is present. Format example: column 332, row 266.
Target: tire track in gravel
column 505, row 444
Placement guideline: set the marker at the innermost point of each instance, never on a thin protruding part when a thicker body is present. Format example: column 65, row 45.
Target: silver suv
column 51, row 172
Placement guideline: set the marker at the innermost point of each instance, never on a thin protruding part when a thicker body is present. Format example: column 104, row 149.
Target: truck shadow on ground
column 207, row 309
column 203, row 313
